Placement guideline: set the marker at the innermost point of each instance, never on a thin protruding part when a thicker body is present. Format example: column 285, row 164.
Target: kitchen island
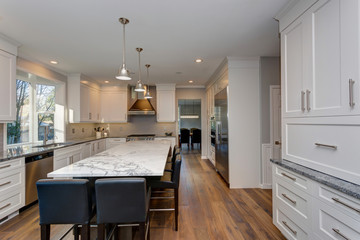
column 130, row 159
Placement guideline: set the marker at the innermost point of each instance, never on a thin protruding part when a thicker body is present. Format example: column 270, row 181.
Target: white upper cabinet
column 114, row 104
column 165, row 102
column 320, row 51
column 8, row 54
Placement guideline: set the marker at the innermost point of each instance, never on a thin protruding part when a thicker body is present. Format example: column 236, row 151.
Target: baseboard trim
column 266, row 186
column 204, row 157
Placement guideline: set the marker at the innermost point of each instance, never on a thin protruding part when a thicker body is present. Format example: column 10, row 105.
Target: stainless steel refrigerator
column 222, row 140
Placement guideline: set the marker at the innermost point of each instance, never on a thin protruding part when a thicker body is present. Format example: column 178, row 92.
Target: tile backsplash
column 80, row 130
column 1, row 137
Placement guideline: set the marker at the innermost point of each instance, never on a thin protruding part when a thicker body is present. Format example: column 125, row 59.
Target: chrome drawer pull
column 292, row 230
column 285, row 175
column 3, row 184
column 1, row 208
column 342, row 235
column 346, row 205
column 303, row 101
column 351, row 93
column 326, row 145
column 6, row 166
column 285, row 196
column 308, row 100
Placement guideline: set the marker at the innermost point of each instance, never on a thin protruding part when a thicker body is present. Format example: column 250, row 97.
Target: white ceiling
column 86, row 37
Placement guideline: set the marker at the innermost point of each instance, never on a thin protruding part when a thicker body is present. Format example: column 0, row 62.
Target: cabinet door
column 84, row 103
column 75, row 157
column 114, row 106
column 86, row 150
column 94, row 100
column 94, row 147
column 101, row 146
column 60, row 162
column 8, row 87
column 165, row 106
column 294, row 64
column 334, row 48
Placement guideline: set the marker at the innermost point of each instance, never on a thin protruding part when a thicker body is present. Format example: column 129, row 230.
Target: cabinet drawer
column 294, row 179
column 67, row 151
column 288, row 227
column 330, row 149
column 12, row 180
column 296, row 200
column 11, row 164
column 330, row 223
column 339, row 201
column 11, row 202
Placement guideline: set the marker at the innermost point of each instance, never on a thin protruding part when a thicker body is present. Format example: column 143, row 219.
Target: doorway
column 189, row 123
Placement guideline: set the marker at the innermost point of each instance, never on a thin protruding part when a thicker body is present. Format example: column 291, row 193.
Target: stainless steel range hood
column 141, row 106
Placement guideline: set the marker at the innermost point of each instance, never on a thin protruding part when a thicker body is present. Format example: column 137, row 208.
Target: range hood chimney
column 141, row 106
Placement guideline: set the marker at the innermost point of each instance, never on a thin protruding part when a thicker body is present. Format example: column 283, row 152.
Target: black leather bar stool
column 170, row 163
column 122, row 201
column 169, row 181
column 64, row 202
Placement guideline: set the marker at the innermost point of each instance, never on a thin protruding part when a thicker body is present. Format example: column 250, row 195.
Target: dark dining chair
column 122, row 201
column 169, row 181
column 65, row 202
column 196, row 137
column 184, row 137
column 170, row 163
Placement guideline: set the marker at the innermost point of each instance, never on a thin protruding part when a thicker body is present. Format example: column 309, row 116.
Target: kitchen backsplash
column 80, row 130
column 139, row 125
column 135, row 125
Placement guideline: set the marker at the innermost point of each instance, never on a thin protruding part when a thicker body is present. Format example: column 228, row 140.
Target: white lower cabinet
column 305, row 209
column 114, row 142
column 86, row 150
column 66, row 156
column 12, row 186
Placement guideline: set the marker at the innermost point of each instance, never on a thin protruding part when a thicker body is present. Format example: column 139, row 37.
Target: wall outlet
column 73, row 130
column 83, row 130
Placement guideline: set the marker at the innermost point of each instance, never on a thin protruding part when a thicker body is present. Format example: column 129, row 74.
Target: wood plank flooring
column 208, row 210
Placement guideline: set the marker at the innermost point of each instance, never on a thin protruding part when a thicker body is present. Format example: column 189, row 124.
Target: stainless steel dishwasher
column 36, row 167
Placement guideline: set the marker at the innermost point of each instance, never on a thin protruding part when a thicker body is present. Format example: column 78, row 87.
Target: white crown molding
column 192, row 86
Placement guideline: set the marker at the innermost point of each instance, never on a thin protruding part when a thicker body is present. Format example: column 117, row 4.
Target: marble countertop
column 346, row 187
column 136, row 158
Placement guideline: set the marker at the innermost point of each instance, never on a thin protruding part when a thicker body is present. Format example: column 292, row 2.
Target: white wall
column 244, row 122
column 195, row 93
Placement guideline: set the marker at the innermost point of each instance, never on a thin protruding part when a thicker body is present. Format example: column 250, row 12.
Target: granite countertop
column 31, row 149
column 346, row 187
column 135, row 158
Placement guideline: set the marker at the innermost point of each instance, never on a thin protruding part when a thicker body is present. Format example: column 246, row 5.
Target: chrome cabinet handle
column 351, row 93
column 292, row 230
column 346, row 205
column 6, row 166
column 1, row 208
column 340, row 234
column 285, row 196
column 90, row 116
column 303, row 101
column 326, row 145
column 308, row 100
column 3, row 184
column 285, row 175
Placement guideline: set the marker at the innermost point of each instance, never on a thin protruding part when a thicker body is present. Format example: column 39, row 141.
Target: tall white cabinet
column 114, row 104
column 165, row 102
column 8, row 52
column 320, row 110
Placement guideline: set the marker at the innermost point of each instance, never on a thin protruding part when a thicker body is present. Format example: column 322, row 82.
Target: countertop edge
column 341, row 185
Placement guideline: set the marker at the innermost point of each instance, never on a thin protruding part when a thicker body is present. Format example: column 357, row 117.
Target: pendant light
column 123, row 73
column 139, row 86
column 147, row 95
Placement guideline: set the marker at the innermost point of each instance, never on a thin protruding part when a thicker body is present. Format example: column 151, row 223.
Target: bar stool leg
column 76, row 232
column 142, row 231
column 85, row 232
column 45, row 231
column 101, row 232
column 176, row 195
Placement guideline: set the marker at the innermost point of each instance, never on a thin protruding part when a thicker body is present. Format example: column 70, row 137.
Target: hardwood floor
column 208, row 210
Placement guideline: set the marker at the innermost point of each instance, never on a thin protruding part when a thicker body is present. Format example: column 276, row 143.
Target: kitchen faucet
column 46, row 132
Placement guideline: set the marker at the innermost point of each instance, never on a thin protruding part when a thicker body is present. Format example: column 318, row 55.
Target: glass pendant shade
column 147, row 95
column 139, row 87
column 123, row 73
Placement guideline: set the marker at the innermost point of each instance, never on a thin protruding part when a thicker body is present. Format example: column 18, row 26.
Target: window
column 35, row 109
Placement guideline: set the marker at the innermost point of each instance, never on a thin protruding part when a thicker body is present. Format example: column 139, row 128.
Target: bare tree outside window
column 45, row 109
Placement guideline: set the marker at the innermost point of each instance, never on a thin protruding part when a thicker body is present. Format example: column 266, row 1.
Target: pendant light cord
column 123, row 44
column 139, row 69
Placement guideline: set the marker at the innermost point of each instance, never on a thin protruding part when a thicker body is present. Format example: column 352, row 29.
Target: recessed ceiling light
column 106, row 81
column 191, row 81
column 53, row 62
column 198, row 60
